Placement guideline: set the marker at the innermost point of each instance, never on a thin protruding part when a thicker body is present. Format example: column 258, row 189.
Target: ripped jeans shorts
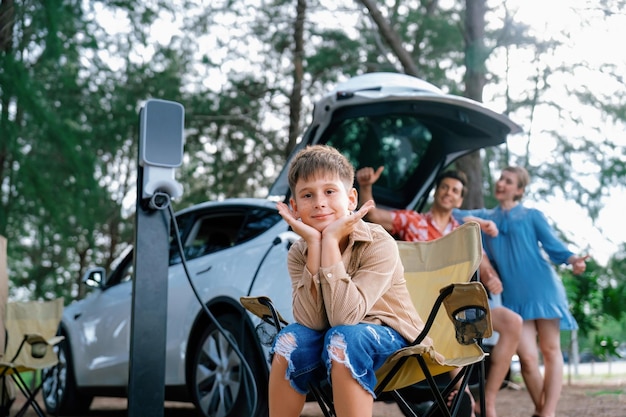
column 308, row 352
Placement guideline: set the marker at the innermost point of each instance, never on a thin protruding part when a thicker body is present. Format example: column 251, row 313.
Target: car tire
column 220, row 384
column 59, row 390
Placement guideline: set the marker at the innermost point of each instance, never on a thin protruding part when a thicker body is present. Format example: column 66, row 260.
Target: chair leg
column 323, row 400
column 6, row 398
column 481, row 387
column 440, row 396
column 30, row 396
column 407, row 410
column 433, row 387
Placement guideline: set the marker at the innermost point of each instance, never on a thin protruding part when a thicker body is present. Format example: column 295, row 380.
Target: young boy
column 350, row 302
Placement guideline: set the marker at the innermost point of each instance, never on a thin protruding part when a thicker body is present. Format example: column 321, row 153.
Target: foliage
column 605, row 347
column 584, row 293
column 596, row 300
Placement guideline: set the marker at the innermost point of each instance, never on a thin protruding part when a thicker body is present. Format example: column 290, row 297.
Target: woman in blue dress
column 531, row 286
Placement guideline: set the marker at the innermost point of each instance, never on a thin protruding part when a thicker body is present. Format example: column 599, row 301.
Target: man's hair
column 523, row 179
column 320, row 160
column 454, row 174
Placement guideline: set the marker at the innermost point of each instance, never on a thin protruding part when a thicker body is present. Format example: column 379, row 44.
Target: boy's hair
column 523, row 179
column 454, row 174
column 320, row 160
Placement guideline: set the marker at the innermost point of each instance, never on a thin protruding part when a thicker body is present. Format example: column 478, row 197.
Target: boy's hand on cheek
column 307, row 232
column 345, row 225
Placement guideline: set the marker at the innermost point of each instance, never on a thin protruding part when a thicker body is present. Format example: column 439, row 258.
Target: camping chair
column 31, row 334
column 437, row 273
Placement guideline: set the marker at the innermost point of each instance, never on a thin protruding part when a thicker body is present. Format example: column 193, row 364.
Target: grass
column 28, row 378
column 606, row 392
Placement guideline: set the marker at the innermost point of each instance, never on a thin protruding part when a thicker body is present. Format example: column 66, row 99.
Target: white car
column 239, row 247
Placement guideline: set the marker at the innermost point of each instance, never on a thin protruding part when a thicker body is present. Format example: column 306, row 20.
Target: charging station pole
column 160, row 151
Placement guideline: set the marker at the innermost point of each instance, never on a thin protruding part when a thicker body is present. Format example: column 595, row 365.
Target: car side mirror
column 94, row 277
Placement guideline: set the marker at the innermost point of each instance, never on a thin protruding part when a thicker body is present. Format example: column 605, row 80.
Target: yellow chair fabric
column 428, row 268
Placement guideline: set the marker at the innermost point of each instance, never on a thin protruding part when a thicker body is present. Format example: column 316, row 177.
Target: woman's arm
column 488, row 227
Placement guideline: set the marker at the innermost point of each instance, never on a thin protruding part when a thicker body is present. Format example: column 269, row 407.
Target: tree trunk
column 295, row 99
column 391, row 37
column 7, row 19
column 475, row 57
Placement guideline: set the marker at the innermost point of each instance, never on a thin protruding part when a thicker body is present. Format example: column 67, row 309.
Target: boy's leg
column 351, row 399
column 353, row 355
column 283, row 399
column 296, row 364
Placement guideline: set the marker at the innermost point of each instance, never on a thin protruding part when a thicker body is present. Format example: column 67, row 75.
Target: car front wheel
column 221, row 384
column 59, row 386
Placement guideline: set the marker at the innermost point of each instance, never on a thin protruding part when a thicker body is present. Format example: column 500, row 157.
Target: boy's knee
column 337, row 348
column 285, row 345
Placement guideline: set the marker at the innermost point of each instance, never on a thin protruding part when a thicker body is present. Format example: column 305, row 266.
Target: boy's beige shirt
column 368, row 286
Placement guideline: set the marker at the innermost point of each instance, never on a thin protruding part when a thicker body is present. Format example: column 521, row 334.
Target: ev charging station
column 161, row 137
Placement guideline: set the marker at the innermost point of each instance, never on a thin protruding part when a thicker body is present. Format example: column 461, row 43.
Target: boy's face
column 321, row 200
column 449, row 194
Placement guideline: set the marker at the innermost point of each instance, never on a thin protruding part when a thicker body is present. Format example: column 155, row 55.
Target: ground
column 600, row 396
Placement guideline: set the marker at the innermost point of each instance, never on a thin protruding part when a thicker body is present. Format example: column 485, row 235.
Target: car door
column 405, row 124
column 105, row 331
column 225, row 248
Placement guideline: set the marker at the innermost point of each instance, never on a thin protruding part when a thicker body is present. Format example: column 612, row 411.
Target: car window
column 258, row 220
column 213, row 232
column 122, row 273
column 206, row 232
column 397, row 142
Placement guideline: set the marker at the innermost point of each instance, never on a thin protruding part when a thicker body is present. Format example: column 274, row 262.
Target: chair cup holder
column 470, row 324
column 38, row 350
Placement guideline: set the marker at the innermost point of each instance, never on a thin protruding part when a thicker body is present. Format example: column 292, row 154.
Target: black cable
column 232, row 343
column 275, row 242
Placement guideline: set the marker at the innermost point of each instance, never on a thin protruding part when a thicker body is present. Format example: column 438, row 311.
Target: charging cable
column 289, row 237
column 160, row 203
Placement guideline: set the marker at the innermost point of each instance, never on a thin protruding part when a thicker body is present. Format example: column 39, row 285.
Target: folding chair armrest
column 262, row 307
column 39, row 344
column 468, row 308
column 56, row 340
column 32, row 338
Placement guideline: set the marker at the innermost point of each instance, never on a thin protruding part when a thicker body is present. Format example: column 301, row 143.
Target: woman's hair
column 320, row 160
column 523, row 179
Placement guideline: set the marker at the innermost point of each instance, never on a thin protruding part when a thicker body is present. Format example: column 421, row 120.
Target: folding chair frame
column 41, row 356
column 22, row 385
column 325, row 402
column 440, row 397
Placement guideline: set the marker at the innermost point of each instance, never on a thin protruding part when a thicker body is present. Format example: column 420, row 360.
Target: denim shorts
column 308, row 352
